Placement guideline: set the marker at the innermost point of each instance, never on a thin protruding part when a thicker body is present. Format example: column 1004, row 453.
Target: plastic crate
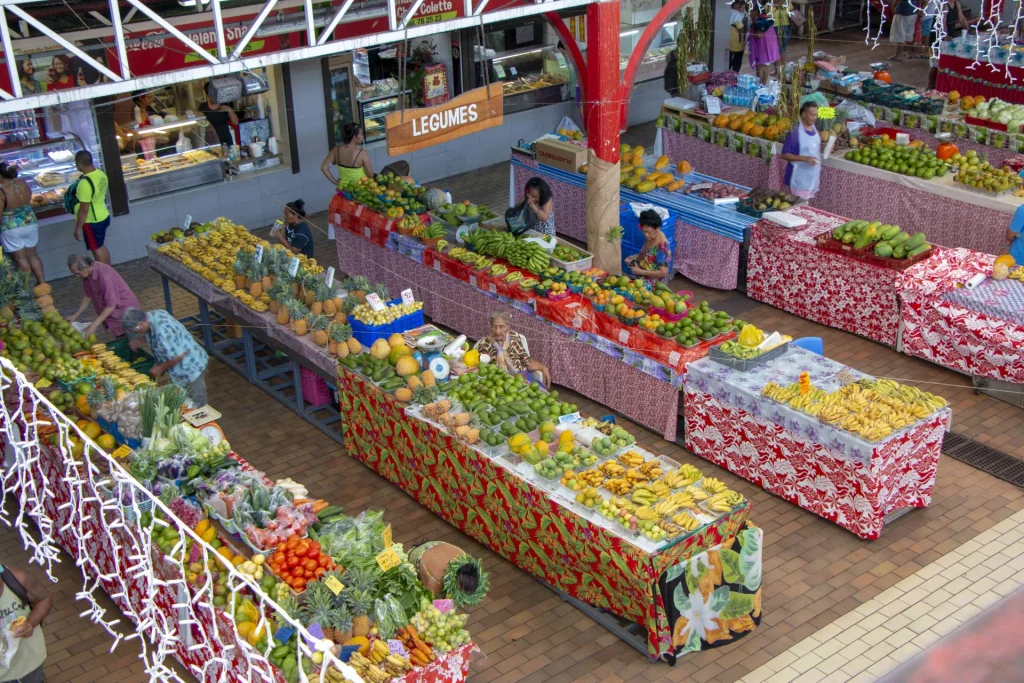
column 716, row 354
column 367, row 334
column 315, row 391
column 140, row 361
column 867, row 254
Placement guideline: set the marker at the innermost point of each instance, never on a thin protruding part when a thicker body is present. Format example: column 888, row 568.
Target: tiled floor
column 816, row 576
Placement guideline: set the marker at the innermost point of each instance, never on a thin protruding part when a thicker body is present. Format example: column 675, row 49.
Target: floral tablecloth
column 998, row 299
column 867, row 193
column 959, row 329
column 572, row 549
column 821, row 468
column 785, row 269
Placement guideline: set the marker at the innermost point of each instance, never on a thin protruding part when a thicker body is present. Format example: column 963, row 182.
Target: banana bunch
column 635, row 476
column 631, row 459
column 491, row 243
column 369, row 671
column 652, row 468
column 780, row 393
column 682, row 477
column 667, row 508
column 620, row 487
column 590, row 478
column 335, row 676
column 379, row 651
column 875, row 432
column 697, row 493
column 683, row 499
column 660, row 488
column 724, row 501
column 713, row 486
column 644, row 495
column 528, row 282
column 514, row 276
column 498, row 270
column 527, row 255
column 462, row 254
column 833, row 413
column 396, row 665
column 645, row 512
column 611, row 469
column 686, row 521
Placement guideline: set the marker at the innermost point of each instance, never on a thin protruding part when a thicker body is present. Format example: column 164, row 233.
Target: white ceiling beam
column 165, row 25
column 411, row 13
column 71, row 47
column 480, row 7
column 12, row 63
column 268, row 7
column 393, row 15
column 99, row 17
column 122, row 52
column 325, row 35
column 218, row 26
column 307, row 8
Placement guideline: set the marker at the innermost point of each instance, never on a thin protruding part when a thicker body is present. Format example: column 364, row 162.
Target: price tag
column 188, row 221
column 700, row 186
column 805, row 383
column 388, row 542
column 673, row 358
column 388, row 559
column 472, row 280
column 397, row 648
column 366, row 231
column 259, row 253
column 293, row 267
column 334, row 585
column 316, row 630
column 623, row 337
column 347, row 651
column 375, row 303
column 512, row 70
column 407, row 297
column 712, row 104
column 43, row 383
column 493, row 288
column 330, row 276
column 444, row 606
column 437, row 265
column 121, row 451
column 337, row 219
column 571, row 417
column 284, row 634
column 359, row 210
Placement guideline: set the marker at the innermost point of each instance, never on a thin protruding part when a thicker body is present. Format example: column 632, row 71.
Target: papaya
column 900, row 238
column 915, row 241
column 918, row 250
column 838, row 233
column 900, row 250
column 661, row 163
column 664, row 180
column 676, row 186
column 889, row 231
column 883, row 249
column 849, row 237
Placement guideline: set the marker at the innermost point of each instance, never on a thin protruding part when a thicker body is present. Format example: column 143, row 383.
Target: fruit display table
column 978, row 332
column 961, row 74
column 952, row 215
column 707, row 238
column 668, row 591
column 786, row 269
column 590, row 354
column 817, row 465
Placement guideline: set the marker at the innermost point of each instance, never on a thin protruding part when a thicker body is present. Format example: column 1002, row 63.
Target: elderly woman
column 509, row 350
column 654, row 260
column 105, row 289
column 176, row 352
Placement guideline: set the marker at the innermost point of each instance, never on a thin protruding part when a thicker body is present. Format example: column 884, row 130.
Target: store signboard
column 470, row 112
column 431, row 11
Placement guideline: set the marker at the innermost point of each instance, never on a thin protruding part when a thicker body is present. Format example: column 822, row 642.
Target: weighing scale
column 430, row 347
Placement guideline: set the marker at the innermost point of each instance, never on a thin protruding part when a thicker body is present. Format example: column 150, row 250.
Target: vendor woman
column 449, row 573
column 540, row 201
column 654, row 261
column 508, row 350
column 802, row 149
column 352, row 160
column 1014, row 238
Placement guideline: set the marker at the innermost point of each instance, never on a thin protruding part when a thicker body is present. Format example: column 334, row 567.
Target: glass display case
column 169, row 157
column 373, row 110
column 531, row 77
column 49, row 168
column 656, row 57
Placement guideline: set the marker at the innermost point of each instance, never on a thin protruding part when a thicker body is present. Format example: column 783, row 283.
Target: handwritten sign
column 437, row 265
column 397, row 648
column 366, row 231
column 407, row 297
column 444, row 606
column 259, row 253
column 712, row 105
column 316, row 631
column 347, row 651
column 473, row 280
column 388, row 559
column 330, row 276
column 623, row 337
column 375, row 303
column 571, row 417
column 188, row 221
column 334, row 585
column 388, row 542
column 293, row 267
column 121, row 451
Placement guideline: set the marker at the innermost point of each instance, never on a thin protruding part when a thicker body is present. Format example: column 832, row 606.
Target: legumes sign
column 468, row 113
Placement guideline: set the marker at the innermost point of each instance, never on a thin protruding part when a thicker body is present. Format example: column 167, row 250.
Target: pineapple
column 41, row 290
column 381, row 291
column 255, row 274
column 424, row 394
column 318, row 325
column 298, row 313
column 307, row 285
column 360, row 603
column 357, row 287
column 242, row 261
column 351, row 304
column 283, row 312
column 277, row 293
column 8, row 290
column 318, row 606
column 339, row 335
column 321, row 294
column 28, row 309
column 342, row 625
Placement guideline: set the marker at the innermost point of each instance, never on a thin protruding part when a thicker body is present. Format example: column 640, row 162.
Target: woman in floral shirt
column 654, row 261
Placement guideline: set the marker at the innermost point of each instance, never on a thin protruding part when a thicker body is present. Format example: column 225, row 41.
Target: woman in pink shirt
column 106, row 289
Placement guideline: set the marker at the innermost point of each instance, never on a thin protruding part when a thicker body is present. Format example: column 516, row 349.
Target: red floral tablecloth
column 787, row 270
column 951, row 333
column 518, row 520
column 945, row 220
column 854, row 496
column 969, row 78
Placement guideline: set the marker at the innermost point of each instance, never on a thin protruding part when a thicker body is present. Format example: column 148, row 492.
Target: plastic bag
column 520, row 218
column 856, row 112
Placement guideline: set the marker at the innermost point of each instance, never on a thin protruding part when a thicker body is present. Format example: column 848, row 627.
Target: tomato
column 280, row 547
column 301, row 549
column 313, row 552
column 315, row 544
column 300, row 585
column 293, row 561
column 323, row 561
column 279, row 557
column 310, row 565
column 292, row 542
column 320, row 571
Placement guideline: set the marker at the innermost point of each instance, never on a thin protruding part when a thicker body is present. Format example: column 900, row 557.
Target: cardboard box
column 560, row 155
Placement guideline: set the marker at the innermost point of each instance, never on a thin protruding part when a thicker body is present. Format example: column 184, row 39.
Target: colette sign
column 468, row 113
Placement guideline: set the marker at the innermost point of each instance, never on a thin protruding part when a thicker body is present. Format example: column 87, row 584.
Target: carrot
column 319, row 505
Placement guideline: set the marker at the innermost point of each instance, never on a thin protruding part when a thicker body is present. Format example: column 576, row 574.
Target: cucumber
column 916, row 241
column 333, row 518
column 919, row 250
column 313, row 535
column 866, row 238
column 330, row 511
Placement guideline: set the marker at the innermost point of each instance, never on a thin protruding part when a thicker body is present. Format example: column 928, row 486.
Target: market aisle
column 902, row 621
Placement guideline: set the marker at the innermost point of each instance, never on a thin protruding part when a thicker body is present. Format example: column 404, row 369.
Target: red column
column 603, row 112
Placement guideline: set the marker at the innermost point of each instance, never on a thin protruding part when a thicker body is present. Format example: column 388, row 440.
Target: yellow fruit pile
column 119, row 369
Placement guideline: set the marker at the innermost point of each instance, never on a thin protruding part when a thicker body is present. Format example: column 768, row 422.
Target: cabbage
column 1003, row 117
column 1013, row 127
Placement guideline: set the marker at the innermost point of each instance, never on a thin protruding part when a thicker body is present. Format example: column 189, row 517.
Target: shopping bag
column 520, row 218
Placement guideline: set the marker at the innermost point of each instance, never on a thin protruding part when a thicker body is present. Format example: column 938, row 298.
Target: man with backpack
column 87, row 202
column 24, row 603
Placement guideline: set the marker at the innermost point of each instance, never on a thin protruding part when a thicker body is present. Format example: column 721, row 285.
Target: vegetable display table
column 950, row 215
column 626, row 369
column 818, row 466
column 703, row 590
column 978, row 332
column 786, row 269
column 707, row 238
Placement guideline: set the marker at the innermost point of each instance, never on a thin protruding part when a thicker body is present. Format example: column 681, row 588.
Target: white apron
column 806, row 177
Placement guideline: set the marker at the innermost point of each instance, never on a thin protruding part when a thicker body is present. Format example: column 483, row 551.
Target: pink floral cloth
column 786, row 269
column 705, row 257
column 856, row 497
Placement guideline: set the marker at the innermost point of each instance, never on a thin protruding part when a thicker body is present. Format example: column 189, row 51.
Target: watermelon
column 434, row 198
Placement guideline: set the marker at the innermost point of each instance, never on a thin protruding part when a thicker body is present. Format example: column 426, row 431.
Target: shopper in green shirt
column 91, row 215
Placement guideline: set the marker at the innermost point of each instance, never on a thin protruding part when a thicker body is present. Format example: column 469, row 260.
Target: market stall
column 971, row 76
column 707, row 237
column 538, row 525
column 834, row 449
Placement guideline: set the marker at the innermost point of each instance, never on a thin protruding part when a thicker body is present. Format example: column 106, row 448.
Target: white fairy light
column 115, row 551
